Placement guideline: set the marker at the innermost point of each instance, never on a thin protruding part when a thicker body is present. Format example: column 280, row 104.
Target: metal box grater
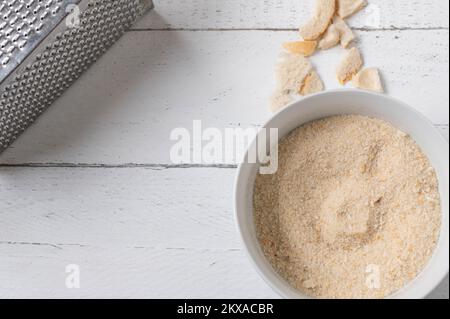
column 45, row 45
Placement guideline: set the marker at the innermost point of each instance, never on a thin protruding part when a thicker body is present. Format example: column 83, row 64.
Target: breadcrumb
column 306, row 48
column 368, row 79
column 330, row 38
column 318, row 24
column 312, row 84
column 346, row 8
column 346, row 34
column 353, row 210
column 349, row 66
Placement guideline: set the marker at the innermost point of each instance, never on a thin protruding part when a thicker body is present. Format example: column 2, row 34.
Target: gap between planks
column 157, row 167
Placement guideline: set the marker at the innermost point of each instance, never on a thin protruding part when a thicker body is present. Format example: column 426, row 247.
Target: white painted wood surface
column 124, row 108
column 288, row 14
column 92, row 184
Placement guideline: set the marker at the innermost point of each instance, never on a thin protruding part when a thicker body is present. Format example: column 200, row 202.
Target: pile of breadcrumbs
column 353, row 211
column 326, row 29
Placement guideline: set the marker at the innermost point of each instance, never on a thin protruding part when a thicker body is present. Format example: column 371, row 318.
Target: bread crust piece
column 279, row 100
column 312, row 84
column 338, row 31
column 330, row 39
column 346, row 34
column 291, row 71
column 349, row 66
column 318, row 24
column 306, row 48
column 347, row 8
column 368, row 79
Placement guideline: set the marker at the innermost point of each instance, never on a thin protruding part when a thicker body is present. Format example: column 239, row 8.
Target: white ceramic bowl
column 342, row 102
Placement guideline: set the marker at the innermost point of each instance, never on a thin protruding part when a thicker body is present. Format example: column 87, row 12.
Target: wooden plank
column 125, row 107
column 116, row 272
column 134, row 233
column 289, row 14
column 131, row 207
column 39, row 272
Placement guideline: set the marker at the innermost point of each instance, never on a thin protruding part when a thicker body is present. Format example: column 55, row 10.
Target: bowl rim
column 292, row 292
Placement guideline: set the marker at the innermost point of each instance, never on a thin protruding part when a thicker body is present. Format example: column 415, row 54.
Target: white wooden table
column 92, row 184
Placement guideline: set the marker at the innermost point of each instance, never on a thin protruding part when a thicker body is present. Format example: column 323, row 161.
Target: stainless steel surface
column 45, row 45
column 23, row 24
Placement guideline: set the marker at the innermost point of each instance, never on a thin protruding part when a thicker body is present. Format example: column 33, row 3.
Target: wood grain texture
column 289, row 14
column 134, row 233
column 125, row 107
column 130, row 207
column 115, row 272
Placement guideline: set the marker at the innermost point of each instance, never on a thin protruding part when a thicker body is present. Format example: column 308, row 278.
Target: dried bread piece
column 338, row 31
column 345, row 33
column 312, row 84
column 368, row 79
column 349, row 66
column 330, row 39
column 347, row 8
column 318, row 24
column 279, row 100
column 306, row 48
column 291, row 71
column 294, row 74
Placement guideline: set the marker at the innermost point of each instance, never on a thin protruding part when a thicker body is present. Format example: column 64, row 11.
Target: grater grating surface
column 41, row 56
column 22, row 24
